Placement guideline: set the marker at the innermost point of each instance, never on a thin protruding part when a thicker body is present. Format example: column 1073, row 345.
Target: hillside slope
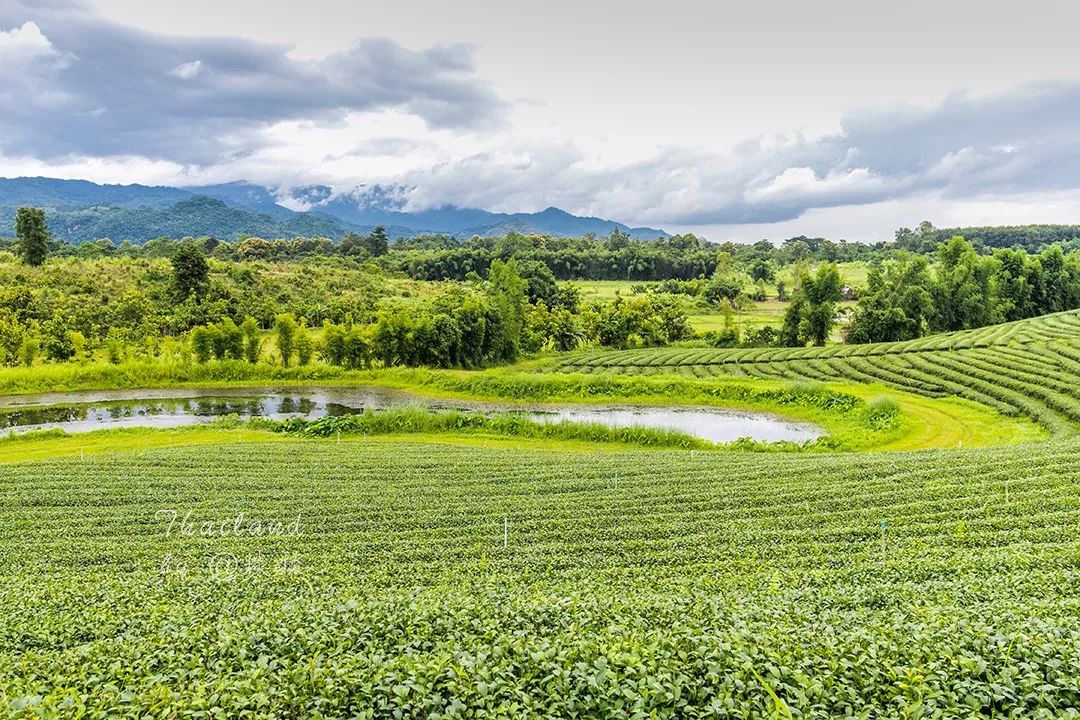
column 1030, row 366
column 79, row 210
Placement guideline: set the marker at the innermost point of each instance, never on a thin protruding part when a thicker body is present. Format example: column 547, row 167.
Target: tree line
column 925, row 239
column 336, row 293
column 907, row 297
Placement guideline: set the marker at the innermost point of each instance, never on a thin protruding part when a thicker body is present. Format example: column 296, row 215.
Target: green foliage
column 555, row 329
column 285, row 331
column 762, row 271
column 640, row 583
column 56, row 338
column 897, row 305
column 115, row 347
column 1031, row 238
column 882, row 413
column 190, row 271
column 726, row 284
column 1027, row 368
column 963, row 290
column 378, row 242
column 348, row 347
column 249, row 329
column 419, row 420
column 305, row 348
column 373, row 245
column 203, row 342
column 812, row 313
column 644, row 320
column 28, row 351
column 507, row 291
column 231, row 344
column 31, row 236
column 540, row 284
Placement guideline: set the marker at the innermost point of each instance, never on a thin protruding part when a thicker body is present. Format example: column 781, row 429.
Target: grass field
column 705, row 318
column 852, row 273
column 225, row 572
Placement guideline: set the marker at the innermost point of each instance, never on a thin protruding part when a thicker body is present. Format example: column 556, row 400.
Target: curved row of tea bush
column 1028, row 367
column 389, row 579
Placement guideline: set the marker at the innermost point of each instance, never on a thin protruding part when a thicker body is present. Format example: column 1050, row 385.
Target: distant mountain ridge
column 79, row 210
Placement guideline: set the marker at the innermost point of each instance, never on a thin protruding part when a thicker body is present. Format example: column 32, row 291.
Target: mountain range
column 79, row 210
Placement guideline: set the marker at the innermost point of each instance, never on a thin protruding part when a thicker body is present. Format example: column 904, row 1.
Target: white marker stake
column 506, row 532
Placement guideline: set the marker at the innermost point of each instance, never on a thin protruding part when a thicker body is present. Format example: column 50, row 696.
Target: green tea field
column 399, row 576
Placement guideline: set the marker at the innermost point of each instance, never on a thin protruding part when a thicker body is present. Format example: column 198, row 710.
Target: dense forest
column 908, row 297
column 1033, row 238
column 195, row 216
column 442, row 257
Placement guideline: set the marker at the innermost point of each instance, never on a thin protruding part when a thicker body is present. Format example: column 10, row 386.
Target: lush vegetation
column 190, row 308
column 423, row 565
column 906, row 299
column 493, row 582
column 1032, row 238
column 132, row 300
column 1027, row 367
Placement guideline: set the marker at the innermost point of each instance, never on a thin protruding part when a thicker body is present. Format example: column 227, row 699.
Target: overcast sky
column 735, row 120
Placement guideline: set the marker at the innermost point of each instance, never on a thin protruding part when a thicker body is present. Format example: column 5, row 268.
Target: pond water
column 82, row 411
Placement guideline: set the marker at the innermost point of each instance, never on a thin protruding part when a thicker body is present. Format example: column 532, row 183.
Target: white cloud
column 639, row 138
column 24, row 43
column 878, row 221
column 188, row 70
column 127, row 169
column 253, row 86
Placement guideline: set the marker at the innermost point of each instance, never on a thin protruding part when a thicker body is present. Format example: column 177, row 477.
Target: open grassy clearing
column 704, row 317
column 54, row 445
column 852, row 273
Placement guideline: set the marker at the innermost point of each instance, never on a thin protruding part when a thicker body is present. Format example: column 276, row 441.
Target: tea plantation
column 422, row 578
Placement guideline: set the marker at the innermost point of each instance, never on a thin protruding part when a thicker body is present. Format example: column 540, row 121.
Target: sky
column 738, row 121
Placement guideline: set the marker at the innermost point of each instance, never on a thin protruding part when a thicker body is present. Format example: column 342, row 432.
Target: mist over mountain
column 79, row 210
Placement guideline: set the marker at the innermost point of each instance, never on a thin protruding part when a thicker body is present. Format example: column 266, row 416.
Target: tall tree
column 31, row 236
column 190, row 271
column 812, row 313
column 285, row 327
column 352, row 244
column 965, row 292
column 897, row 303
column 508, row 294
column 250, row 330
column 378, row 242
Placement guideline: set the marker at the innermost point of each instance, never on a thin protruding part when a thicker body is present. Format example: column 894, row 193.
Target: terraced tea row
column 1029, row 367
column 440, row 581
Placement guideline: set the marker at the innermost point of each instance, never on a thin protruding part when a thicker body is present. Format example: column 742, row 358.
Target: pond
column 174, row 407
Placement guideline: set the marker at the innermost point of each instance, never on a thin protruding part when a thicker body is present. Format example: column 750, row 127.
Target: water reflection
column 77, row 412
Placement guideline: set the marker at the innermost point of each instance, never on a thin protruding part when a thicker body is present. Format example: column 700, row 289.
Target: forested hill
column 1032, row 238
column 196, row 216
column 79, row 211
